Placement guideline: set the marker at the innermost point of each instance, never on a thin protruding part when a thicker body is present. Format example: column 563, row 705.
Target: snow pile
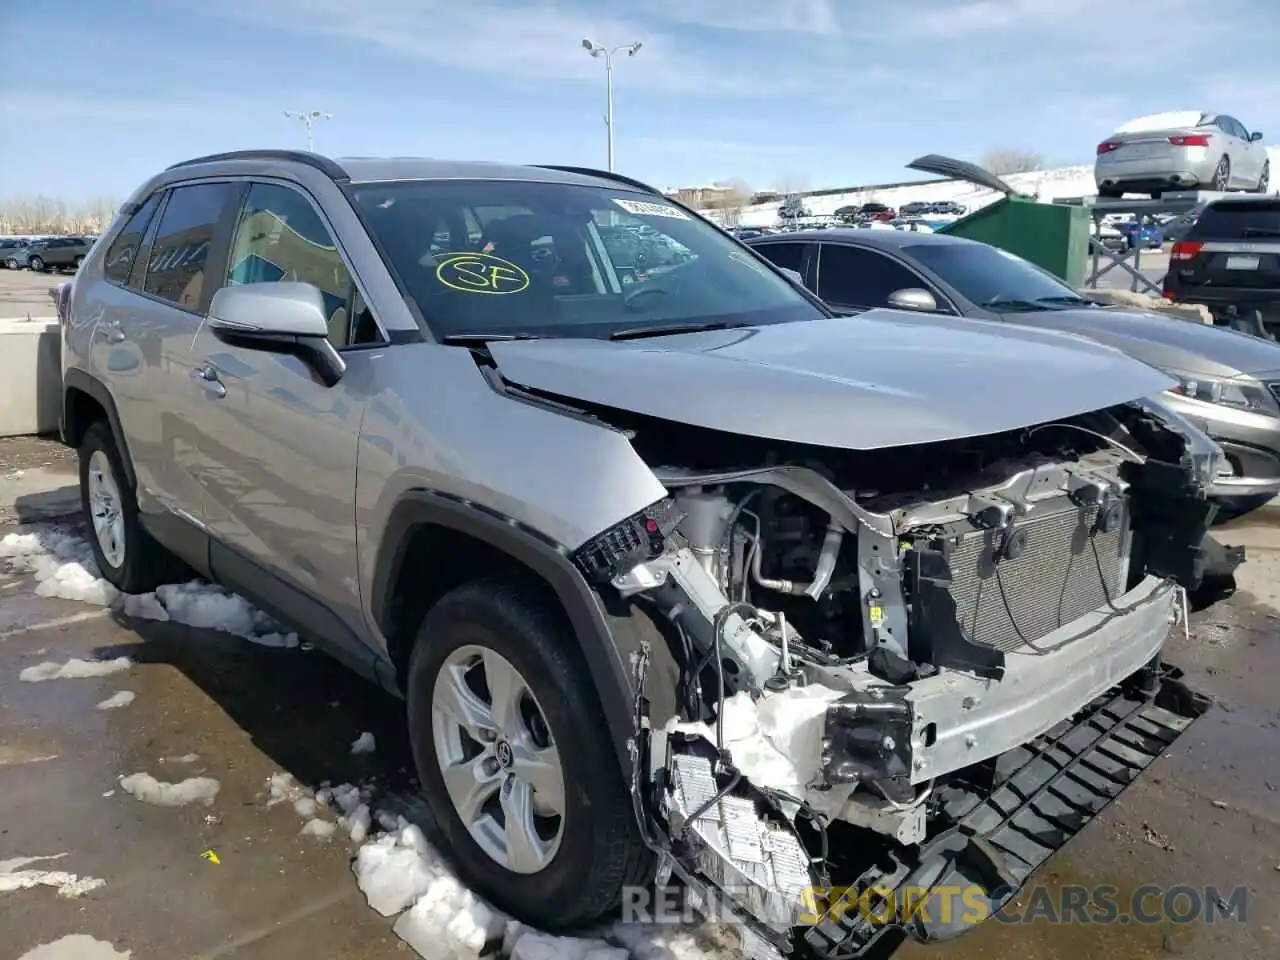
column 120, row 699
column 74, row 669
column 63, row 565
column 13, row 877
column 76, row 946
column 363, row 744
column 150, row 790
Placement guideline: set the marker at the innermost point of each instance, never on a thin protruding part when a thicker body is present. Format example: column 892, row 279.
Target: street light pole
column 598, row 50
column 309, row 117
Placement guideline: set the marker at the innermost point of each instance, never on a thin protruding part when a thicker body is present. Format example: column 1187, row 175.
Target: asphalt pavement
column 236, row 879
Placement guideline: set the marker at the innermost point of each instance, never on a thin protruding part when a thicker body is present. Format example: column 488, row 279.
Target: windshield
column 512, row 258
column 991, row 277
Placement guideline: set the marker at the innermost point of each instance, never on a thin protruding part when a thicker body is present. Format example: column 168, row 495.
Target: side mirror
column 913, row 298
column 280, row 317
column 793, row 276
column 1255, row 136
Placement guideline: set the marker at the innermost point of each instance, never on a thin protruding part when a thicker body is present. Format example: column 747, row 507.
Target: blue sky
column 97, row 94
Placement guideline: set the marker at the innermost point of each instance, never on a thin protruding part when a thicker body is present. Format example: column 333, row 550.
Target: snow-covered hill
column 1047, row 184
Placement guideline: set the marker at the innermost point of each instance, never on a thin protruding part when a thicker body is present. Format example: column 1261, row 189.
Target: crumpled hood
column 1166, row 342
column 882, row 379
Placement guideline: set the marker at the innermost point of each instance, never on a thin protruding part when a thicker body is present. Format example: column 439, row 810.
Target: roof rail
column 603, row 174
column 326, row 166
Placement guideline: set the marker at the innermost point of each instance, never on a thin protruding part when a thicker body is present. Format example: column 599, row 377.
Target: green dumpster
column 1051, row 235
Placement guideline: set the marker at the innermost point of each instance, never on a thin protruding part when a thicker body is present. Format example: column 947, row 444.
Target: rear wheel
column 77, row 262
column 1222, row 175
column 125, row 553
column 519, row 773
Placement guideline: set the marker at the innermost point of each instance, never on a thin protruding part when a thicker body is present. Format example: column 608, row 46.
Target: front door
column 278, row 447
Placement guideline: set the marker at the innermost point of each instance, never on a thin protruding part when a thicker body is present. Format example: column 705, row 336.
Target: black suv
column 57, row 253
column 1229, row 261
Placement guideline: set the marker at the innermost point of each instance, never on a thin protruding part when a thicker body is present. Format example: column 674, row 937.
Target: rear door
column 790, row 255
column 145, row 335
column 1233, row 246
column 856, row 278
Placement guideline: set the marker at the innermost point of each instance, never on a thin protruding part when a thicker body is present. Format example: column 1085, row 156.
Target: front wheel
column 36, row 264
column 514, row 760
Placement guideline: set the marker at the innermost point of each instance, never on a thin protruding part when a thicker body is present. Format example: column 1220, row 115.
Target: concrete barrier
column 30, row 376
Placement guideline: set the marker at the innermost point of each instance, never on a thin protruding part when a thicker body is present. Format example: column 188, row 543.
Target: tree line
column 39, row 215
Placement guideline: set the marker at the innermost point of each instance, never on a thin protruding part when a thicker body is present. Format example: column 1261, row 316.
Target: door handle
column 207, row 377
column 113, row 331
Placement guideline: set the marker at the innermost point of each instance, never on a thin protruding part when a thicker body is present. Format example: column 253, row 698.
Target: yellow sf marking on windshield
column 481, row 273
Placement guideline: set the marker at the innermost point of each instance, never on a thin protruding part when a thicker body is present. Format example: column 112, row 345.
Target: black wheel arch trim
column 76, row 379
column 601, row 636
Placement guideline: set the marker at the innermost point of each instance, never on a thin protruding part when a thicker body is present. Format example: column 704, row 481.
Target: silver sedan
column 1186, row 150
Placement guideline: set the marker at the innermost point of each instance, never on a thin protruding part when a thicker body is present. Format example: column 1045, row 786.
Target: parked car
column 1109, row 235
column 947, row 207
column 51, row 253
column 915, row 208
column 555, row 513
column 1229, row 261
column 1148, row 236
column 1185, row 150
column 876, row 211
column 15, row 251
column 1228, row 383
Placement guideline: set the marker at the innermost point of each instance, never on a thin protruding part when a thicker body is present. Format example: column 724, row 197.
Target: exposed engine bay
column 871, row 645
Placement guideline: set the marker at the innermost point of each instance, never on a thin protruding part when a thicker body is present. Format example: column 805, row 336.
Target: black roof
column 866, row 237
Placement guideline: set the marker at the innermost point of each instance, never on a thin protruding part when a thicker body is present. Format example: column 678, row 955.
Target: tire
column 36, row 264
column 1222, row 175
column 13, row 264
column 76, row 263
column 1264, row 181
column 599, row 850
column 1109, row 193
column 141, row 564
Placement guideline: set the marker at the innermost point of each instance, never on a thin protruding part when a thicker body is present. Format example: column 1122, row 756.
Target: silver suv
column 682, row 576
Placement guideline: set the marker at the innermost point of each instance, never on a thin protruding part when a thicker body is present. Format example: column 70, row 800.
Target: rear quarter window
column 124, row 249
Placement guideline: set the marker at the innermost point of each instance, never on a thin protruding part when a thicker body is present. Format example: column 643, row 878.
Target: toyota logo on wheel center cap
column 504, row 753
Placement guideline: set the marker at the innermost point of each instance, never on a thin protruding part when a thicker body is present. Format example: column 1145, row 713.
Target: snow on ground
column 162, row 794
column 74, row 669
column 13, row 877
column 76, row 946
column 1047, row 184
column 63, row 565
column 119, row 699
column 394, row 866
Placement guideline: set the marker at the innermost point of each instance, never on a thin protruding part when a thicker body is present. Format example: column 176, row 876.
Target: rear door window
column 180, row 252
column 124, row 249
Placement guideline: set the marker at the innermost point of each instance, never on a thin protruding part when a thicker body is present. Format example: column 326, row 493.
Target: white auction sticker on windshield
column 642, row 208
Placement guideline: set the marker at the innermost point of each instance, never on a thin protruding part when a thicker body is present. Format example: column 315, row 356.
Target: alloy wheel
column 501, row 767
column 1222, row 175
column 105, row 510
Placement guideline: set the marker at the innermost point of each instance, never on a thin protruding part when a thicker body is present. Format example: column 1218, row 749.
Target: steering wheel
column 643, row 289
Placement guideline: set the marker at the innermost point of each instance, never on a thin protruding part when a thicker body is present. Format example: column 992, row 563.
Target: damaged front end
column 903, row 675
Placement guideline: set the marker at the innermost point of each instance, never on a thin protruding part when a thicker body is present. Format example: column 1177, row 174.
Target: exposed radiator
column 1067, row 568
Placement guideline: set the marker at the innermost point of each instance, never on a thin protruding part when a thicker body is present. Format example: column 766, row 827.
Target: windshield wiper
column 665, row 330
column 1013, row 305
column 480, row 339
column 1261, row 232
column 1068, row 299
